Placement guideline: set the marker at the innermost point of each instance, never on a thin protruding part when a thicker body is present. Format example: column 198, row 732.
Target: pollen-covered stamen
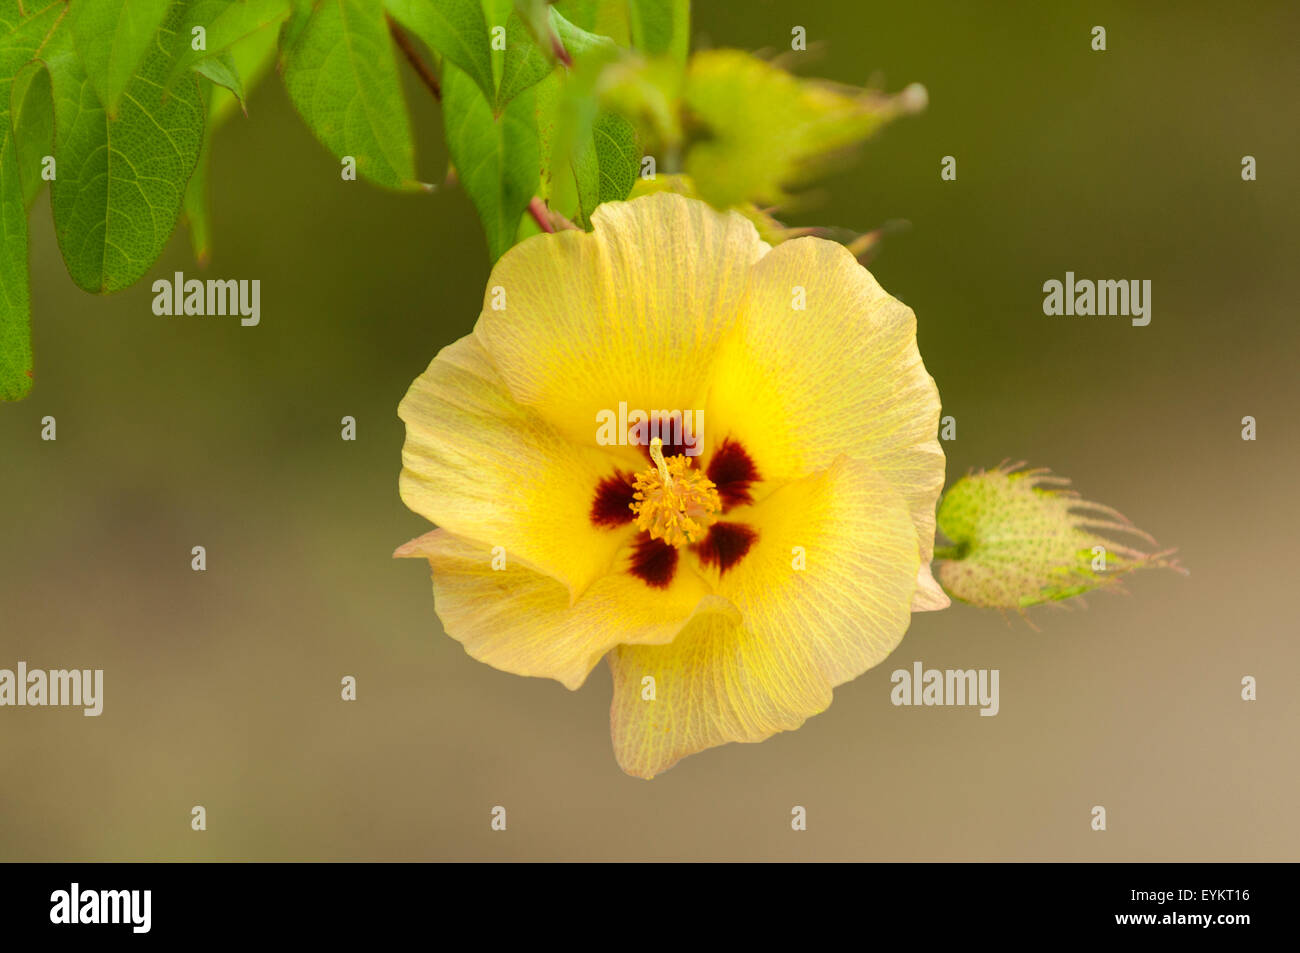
column 672, row 501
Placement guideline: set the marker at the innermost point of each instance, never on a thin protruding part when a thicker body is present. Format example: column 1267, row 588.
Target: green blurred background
column 222, row 688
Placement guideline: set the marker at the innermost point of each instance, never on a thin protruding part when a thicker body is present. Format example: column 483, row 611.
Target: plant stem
column 561, row 54
column 541, row 215
column 422, row 69
column 547, row 218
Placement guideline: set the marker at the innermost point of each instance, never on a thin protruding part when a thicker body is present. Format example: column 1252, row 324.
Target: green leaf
column 547, row 96
column 33, row 126
column 496, row 157
column 647, row 90
column 341, row 74
column 763, row 130
column 300, row 12
column 121, row 180
column 15, row 295
column 585, row 165
column 21, row 40
column 589, row 51
column 529, row 53
column 222, row 71
column 606, row 169
column 620, row 159
column 565, row 146
column 112, row 38
column 661, row 27
column 455, row 30
column 601, row 17
column 1021, row 538
column 225, row 23
column 523, row 66
column 536, row 16
column 251, row 59
column 580, row 166
column 526, row 61
column 195, row 207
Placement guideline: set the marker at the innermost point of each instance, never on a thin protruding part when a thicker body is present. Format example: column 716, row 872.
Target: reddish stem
column 422, row 69
column 541, row 215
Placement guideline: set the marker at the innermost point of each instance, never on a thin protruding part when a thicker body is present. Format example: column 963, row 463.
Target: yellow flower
column 731, row 584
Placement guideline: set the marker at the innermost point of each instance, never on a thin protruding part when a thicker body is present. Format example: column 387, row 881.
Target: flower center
column 673, row 502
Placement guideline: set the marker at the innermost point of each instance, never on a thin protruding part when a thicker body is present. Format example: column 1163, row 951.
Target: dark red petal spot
column 611, row 505
column 732, row 472
column 725, row 545
column 653, row 562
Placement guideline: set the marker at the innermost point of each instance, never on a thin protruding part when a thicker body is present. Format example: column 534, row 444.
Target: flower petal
column 851, row 602
column 520, row 621
column 631, row 312
column 804, row 630
column 483, row 467
column 929, row 595
column 800, row 387
column 715, row 683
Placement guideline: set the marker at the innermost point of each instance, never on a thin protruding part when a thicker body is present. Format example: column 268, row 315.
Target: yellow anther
column 672, row 501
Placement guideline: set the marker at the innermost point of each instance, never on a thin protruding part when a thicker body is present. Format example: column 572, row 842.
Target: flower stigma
column 674, row 502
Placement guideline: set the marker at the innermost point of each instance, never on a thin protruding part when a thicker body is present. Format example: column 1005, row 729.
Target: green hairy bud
column 1022, row 537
